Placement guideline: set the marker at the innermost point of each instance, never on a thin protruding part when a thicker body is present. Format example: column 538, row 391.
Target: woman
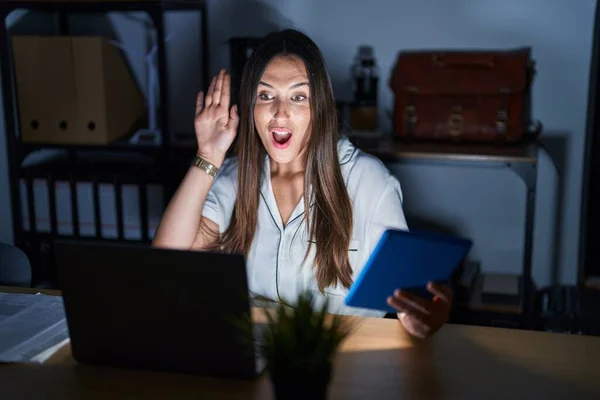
column 303, row 205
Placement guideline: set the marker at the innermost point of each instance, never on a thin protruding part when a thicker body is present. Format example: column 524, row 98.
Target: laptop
column 133, row 306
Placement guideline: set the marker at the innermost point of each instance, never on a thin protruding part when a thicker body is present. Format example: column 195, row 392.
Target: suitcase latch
column 455, row 122
column 501, row 120
column 410, row 113
column 502, row 115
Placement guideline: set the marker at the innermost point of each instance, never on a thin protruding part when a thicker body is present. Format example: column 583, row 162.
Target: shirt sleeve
column 387, row 213
column 220, row 200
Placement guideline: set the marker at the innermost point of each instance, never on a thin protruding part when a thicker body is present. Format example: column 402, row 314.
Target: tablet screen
column 406, row 260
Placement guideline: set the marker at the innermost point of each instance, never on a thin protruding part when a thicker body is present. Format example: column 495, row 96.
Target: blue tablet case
column 406, row 260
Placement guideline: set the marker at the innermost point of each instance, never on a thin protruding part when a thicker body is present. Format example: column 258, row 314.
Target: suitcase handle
column 458, row 61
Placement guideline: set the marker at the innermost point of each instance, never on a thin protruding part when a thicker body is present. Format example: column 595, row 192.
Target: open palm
column 215, row 123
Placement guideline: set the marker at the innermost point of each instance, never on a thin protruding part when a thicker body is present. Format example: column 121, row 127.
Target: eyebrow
column 294, row 86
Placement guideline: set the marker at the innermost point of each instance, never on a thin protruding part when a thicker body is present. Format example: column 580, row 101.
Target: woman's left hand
column 419, row 316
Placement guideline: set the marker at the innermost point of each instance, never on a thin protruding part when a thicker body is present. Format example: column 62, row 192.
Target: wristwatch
column 205, row 166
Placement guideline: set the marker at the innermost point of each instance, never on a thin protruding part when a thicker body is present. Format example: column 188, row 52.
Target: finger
column 401, row 306
column 226, row 93
column 233, row 113
column 441, row 291
column 233, row 117
column 410, row 309
column 211, row 87
column 414, row 326
column 218, row 88
column 414, row 300
column 210, row 93
column 199, row 102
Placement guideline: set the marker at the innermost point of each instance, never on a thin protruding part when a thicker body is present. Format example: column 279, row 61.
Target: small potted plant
column 299, row 344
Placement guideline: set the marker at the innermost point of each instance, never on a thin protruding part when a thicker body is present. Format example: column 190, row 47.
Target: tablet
column 406, row 260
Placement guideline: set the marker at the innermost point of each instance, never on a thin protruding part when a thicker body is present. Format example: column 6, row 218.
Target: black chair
column 15, row 269
column 568, row 309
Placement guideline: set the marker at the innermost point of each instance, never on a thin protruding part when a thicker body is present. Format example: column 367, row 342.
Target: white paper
column 31, row 326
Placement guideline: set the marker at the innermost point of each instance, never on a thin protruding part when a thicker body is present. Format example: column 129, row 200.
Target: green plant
column 300, row 342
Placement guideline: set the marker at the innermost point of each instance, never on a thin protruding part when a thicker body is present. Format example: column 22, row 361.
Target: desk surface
column 378, row 361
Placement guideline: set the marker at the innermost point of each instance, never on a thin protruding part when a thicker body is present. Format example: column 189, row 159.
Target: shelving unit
column 142, row 165
column 522, row 159
column 158, row 163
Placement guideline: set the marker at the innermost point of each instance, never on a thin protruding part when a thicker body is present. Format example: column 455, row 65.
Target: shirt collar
column 346, row 151
column 268, row 196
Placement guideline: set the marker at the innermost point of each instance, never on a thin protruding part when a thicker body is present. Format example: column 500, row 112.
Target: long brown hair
column 330, row 224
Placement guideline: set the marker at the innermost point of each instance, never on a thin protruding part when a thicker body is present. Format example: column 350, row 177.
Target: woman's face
column 282, row 110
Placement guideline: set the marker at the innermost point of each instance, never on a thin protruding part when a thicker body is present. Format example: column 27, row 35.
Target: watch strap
column 205, row 166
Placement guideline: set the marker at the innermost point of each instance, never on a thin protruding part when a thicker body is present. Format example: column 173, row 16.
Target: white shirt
column 274, row 265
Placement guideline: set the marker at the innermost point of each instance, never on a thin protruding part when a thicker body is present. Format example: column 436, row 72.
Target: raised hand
column 215, row 123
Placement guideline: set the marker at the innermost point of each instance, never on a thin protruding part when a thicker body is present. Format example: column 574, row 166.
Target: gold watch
column 205, row 166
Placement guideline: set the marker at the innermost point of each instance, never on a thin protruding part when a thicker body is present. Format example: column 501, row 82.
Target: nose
column 280, row 109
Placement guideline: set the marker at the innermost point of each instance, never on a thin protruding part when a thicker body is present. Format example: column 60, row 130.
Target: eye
column 265, row 96
column 299, row 98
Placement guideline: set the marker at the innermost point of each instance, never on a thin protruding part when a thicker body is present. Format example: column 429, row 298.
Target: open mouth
column 281, row 137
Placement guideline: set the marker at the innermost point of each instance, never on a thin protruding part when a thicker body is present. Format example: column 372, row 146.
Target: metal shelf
column 27, row 148
column 104, row 6
column 521, row 158
column 162, row 162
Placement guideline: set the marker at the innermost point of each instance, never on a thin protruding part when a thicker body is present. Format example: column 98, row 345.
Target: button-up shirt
column 276, row 268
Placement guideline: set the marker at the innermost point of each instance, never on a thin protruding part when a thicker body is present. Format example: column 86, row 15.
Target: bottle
column 365, row 77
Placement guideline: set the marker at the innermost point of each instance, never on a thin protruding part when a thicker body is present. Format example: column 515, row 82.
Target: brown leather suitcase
column 476, row 96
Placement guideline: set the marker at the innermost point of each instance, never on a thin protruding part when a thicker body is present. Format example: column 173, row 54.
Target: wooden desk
column 379, row 361
column 16, row 289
